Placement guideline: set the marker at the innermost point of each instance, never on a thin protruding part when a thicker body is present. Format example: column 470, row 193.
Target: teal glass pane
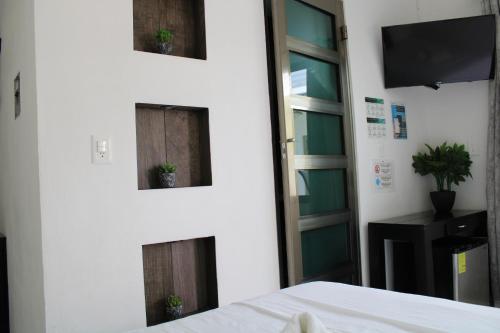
column 324, row 249
column 314, row 78
column 310, row 24
column 318, row 134
column 321, row 191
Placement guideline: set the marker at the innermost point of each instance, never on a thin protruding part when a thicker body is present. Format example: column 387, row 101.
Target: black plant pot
column 174, row 313
column 443, row 201
column 167, row 180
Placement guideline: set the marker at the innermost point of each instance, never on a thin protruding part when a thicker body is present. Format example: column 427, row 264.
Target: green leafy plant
column 168, row 168
column 164, row 36
column 174, row 301
column 448, row 164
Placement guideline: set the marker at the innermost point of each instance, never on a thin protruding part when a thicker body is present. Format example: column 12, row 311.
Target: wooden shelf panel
column 185, row 18
column 185, row 268
column 177, row 134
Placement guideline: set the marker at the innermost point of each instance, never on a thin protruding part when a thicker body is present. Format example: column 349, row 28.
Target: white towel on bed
column 305, row 323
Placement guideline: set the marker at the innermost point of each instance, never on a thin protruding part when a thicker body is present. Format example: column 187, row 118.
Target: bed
column 344, row 309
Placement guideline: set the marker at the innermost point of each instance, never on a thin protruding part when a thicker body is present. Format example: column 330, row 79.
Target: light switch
column 101, row 150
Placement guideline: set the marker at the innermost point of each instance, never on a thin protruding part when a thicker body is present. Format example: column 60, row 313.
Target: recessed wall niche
column 177, row 134
column 184, row 268
column 185, row 18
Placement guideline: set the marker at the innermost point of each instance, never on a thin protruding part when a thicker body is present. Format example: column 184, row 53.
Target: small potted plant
column 174, row 307
column 449, row 165
column 164, row 39
column 167, row 175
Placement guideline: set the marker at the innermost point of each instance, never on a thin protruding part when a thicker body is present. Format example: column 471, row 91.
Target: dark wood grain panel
column 184, row 268
column 151, row 147
column 204, row 152
column 185, row 18
column 158, row 280
column 183, row 145
column 178, row 134
column 208, row 274
column 145, row 24
column 200, row 29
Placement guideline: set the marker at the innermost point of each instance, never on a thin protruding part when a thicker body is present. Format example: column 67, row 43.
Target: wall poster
column 383, row 175
column 399, row 121
column 375, row 117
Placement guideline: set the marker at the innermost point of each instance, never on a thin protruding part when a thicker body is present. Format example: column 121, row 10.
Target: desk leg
column 424, row 263
column 377, row 258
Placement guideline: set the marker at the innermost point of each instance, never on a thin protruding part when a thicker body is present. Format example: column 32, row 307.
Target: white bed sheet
column 342, row 308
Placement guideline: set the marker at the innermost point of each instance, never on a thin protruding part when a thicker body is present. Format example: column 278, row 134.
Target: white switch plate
column 101, row 150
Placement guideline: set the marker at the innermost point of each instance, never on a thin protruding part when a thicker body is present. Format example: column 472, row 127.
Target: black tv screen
column 431, row 53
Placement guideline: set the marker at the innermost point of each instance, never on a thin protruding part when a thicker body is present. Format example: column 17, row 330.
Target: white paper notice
column 383, row 175
column 375, row 117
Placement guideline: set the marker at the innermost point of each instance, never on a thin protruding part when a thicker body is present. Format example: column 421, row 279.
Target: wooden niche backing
column 186, row 269
column 185, row 18
column 176, row 134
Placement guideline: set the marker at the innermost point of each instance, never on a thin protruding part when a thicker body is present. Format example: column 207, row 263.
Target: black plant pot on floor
column 443, row 201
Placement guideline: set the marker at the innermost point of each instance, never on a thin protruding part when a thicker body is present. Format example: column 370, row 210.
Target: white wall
column 19, row 178
column 94, row 218
column 457, row 112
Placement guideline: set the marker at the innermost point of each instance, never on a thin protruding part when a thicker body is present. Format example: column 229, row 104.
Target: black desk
column 420, row 230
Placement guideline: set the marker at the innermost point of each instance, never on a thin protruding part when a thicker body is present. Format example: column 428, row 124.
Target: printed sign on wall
column 375, row 117
column 399, row 121
column 383, row 175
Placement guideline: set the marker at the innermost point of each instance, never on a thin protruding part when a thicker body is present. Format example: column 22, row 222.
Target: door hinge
column 284, row 147
column 283, row 151
column 343, row 32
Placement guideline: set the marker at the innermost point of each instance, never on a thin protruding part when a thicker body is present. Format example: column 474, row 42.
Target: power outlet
column 101, row 150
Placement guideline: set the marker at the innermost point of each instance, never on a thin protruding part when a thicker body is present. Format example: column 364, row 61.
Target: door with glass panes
column 316, row 141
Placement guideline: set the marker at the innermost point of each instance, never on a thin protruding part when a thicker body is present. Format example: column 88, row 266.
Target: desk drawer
column 462, row 227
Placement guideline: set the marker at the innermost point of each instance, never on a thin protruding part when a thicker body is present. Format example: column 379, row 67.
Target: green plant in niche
column 174, row 301
column 164, row 36
column 174, row 307
column 167, row 175
column 448, row 164
column 168, row 168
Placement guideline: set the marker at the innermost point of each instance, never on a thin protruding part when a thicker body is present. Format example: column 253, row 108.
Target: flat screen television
column 431, row 53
